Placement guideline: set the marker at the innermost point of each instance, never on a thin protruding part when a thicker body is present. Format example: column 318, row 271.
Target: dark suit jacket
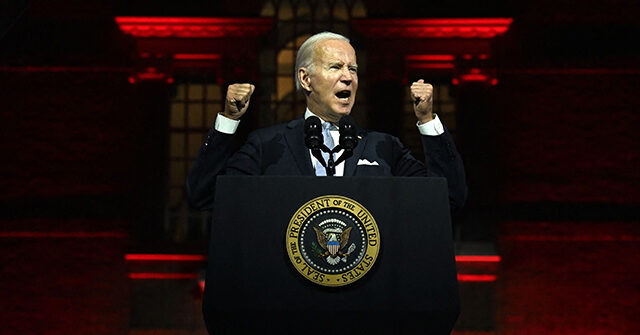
column 280, row 150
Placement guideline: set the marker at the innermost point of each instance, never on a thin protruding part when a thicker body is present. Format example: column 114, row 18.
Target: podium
column 254, row 286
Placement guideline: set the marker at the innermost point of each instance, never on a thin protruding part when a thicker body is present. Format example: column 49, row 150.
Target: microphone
column 348, row 138
column 313, row 138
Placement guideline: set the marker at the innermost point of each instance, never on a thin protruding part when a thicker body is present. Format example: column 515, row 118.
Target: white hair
column 304, row 58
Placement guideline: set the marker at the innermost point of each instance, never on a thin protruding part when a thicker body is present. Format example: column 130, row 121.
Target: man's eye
column 353, row 69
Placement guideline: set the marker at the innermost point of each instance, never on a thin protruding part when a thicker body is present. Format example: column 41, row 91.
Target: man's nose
column 346, row 77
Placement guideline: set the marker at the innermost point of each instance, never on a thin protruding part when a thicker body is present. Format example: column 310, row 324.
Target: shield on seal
column 333, row 245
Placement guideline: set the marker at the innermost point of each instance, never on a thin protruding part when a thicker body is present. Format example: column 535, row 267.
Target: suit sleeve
column 210, row 162
column 443, row 160
column 216, row 157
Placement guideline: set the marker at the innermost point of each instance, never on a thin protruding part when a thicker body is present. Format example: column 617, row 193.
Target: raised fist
column 422, row 96
column 237, row 100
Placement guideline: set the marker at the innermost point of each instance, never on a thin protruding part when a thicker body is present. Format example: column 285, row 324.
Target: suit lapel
column 351, row 163
column 294, row 136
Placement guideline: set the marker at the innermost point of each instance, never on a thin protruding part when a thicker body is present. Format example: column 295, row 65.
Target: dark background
column 551, row 153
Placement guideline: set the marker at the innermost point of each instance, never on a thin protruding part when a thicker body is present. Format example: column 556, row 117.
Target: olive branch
column 316, row 250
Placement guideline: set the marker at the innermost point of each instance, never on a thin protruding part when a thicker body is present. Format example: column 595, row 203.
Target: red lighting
column 431, row 61
column 435, row 28
column 151, row 76
column 157, row 275
column 433, row 66
column 431, row 58
column 193, row 27
column 494, row 82
column 196, row 56
column 165, row 257
column 57, row 234
column 467, row 56
column 74, row 69
column 478, row 258
column 474, row 77
column 476, row 278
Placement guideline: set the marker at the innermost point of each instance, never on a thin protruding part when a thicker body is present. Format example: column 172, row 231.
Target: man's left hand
column 422, row 97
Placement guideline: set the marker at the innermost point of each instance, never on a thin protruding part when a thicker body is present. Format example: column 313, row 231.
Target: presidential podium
column 295, row 255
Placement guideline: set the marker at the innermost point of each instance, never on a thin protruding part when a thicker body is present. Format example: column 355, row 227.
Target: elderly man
column 327, row 74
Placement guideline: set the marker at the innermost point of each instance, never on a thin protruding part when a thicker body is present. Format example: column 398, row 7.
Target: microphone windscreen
column 312, row 122
column 347, row 127
column 313, row 138
column 346, row 122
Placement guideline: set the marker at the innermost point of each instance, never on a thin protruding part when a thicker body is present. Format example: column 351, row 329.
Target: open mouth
column 344, row 95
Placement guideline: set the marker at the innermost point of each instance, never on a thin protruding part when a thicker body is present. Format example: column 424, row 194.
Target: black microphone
column 313, row 138
column 348, row 137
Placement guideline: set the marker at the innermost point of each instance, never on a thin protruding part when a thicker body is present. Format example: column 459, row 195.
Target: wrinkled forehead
column 335, row 50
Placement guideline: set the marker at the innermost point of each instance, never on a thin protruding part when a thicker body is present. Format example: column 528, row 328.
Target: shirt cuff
column 226, row 125
column 431, row 128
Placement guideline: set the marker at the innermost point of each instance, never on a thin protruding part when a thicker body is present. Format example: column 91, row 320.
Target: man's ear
column 305, row 79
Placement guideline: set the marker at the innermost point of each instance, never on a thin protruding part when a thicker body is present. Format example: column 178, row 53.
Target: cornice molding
column 478, row 28
column 193, row 27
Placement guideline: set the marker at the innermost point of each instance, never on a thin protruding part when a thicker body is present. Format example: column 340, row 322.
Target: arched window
column 295, row 21
column 195, row 101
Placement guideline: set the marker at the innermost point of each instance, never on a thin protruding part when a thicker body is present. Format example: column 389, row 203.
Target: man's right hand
column 237, row 100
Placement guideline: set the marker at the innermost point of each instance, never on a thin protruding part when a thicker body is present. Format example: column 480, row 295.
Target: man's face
column 334, row 80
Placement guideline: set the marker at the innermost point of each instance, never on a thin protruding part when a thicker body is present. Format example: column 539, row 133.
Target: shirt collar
column 308, row 113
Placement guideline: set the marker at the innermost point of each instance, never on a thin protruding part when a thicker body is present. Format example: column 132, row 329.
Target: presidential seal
column 332, row 240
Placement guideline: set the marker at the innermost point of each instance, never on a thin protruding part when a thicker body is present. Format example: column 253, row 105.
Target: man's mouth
column 343, row 96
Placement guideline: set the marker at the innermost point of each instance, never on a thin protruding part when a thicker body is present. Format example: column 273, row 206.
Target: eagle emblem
column 333, row 239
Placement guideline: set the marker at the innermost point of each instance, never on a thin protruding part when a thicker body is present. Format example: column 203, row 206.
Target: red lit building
column 105, row 106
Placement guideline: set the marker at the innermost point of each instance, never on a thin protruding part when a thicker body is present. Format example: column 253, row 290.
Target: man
column 327, row 73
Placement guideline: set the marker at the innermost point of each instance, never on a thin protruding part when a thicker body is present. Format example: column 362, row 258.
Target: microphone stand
column 346, row 154
column 330, row 165
column 313, row 141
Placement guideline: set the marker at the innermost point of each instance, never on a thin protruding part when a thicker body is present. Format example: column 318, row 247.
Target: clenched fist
column 422, row 96
column 237, row 100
